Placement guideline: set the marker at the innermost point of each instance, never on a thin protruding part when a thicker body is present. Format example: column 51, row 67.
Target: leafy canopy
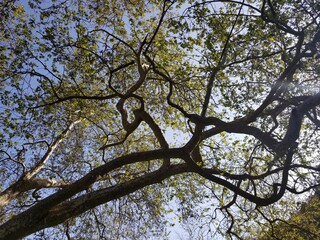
column 302, row 224
column 125, row 111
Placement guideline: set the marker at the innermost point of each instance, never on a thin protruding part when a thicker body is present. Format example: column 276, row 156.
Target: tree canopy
column 116, row 113
column 303, row 224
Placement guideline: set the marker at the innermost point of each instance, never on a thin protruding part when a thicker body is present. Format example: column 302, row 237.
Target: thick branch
column 259, row 201
column 156, row 130
column 26, row 182
column 22, row 186
column 31, row 217
column 25, row 224
column 295, row 121
column 49, row 152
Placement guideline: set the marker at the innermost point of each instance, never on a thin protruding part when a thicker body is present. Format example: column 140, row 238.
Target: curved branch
column 156, row 130
column 39, row 216
column 171, row 83
column 295, row 121
column 259, row 201
column 22, row 186
column 40, row 209
column 250, row 177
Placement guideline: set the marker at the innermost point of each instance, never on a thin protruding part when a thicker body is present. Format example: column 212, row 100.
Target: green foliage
column 302, row 224
column 124, row 111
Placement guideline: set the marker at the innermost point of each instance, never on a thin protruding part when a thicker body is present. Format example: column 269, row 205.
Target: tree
column 303, row 224
column 113, row 110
